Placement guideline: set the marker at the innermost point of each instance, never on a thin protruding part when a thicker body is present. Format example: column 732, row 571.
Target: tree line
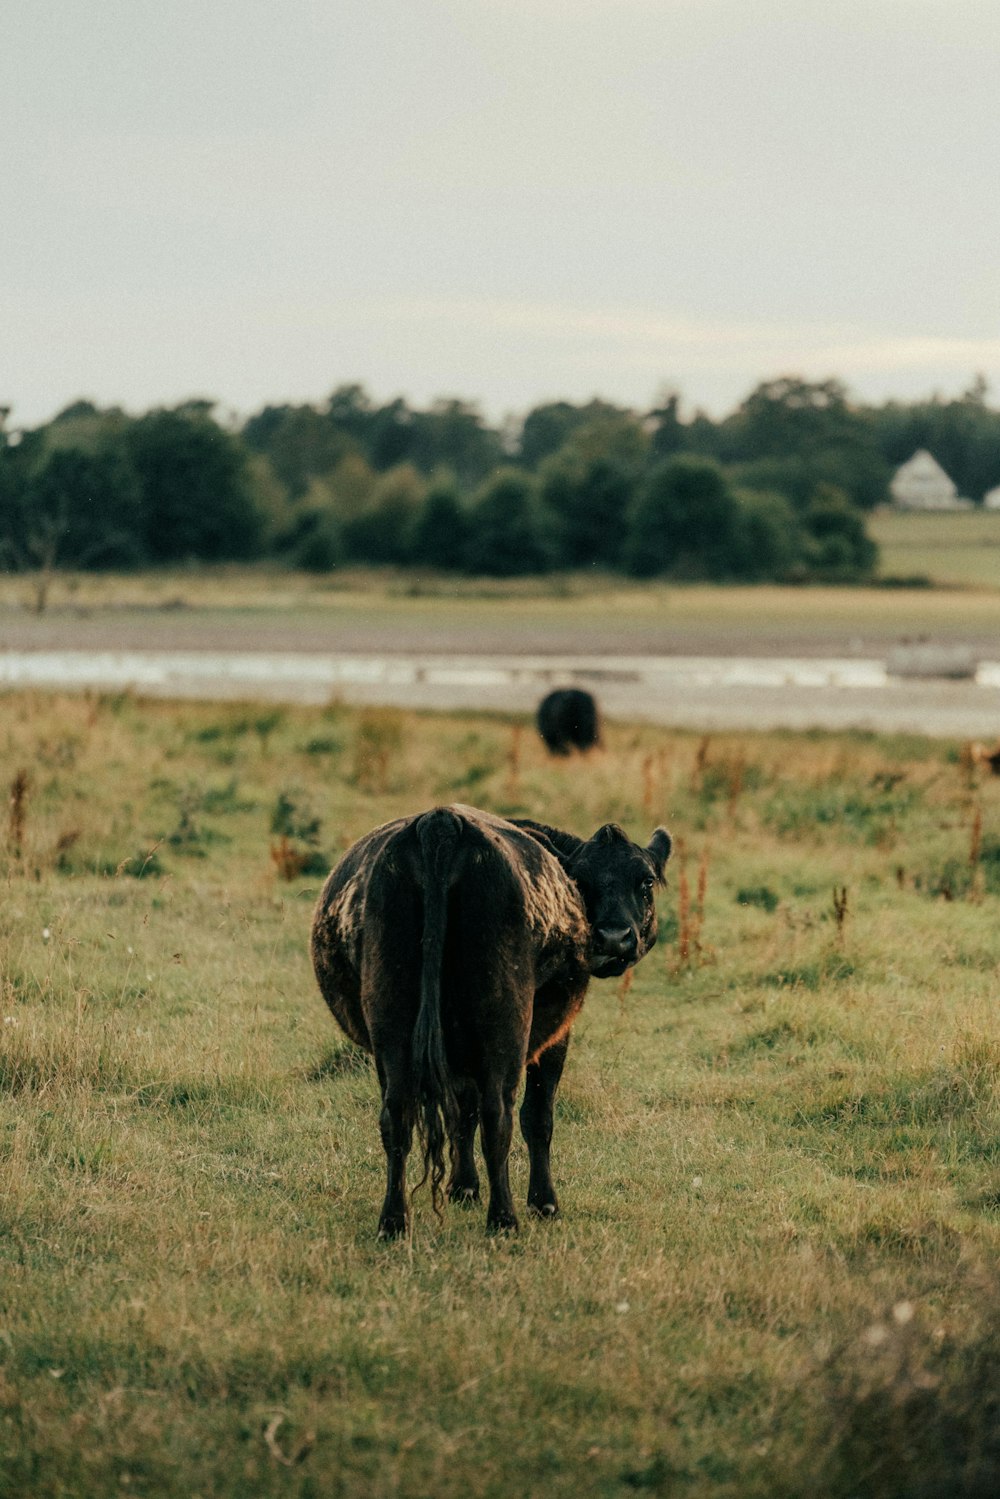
column 778, row 489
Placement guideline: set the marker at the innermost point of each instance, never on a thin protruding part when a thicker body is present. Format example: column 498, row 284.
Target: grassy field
column 778, row 1151
column 958, row 549
column 245, row 608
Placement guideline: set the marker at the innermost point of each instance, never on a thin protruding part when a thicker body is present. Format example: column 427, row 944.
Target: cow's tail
column 439, row 835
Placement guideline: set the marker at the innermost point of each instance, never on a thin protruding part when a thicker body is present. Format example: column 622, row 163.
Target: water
column 698, row 691
column 164, row 670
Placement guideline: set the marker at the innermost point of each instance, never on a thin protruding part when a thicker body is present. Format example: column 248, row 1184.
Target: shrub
column 838, row 547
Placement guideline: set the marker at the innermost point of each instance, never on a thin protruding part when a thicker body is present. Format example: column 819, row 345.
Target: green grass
column 779, row 1164
column 957, row 549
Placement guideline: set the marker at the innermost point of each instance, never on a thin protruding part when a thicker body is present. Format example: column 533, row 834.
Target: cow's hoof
column 503, row 1223
column 544, row 1209
column 392, row 1226
column 464, row 1195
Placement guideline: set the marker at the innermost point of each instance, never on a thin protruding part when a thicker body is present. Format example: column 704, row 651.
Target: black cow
column 568, row 719
column 457, row 948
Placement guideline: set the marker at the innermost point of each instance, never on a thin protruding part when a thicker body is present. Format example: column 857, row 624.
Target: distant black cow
column 457, row 947
column 568, row 719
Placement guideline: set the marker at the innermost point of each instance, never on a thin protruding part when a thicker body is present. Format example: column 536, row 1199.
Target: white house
column 922, row 484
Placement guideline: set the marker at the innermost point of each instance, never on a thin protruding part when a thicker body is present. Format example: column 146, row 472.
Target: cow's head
column 616, row 878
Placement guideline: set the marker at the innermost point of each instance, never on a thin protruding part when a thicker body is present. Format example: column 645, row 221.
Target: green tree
column 682, row 522
column 506, row 535
column 311, row 534
column 391, row 435
column 453, row 435
column 812, row 426
column 549, row 427
column 86, row 428
column 349, row 411
column 67, row 507
column 767, row 542
column 616, row 437
column 93, row 503
column 792, row 476
column 667, row 432
column 588, row 501
column 299, row 442
column 382, row 531
column 352, row 486
column 14, row 485
column 441, row 530
column 197, row 492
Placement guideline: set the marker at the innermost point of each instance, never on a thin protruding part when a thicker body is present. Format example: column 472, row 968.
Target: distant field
column 963, row 548
column 777, row 1152
column 357, row 611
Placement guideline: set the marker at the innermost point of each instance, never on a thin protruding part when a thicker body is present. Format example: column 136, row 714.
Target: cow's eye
column 647, row 885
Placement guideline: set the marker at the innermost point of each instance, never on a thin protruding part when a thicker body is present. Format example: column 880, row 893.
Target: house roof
column 922, row 480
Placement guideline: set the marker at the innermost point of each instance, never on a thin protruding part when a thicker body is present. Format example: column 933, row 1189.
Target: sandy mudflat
column 531, row 632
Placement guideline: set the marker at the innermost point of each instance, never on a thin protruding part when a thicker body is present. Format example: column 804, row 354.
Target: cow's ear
column 658, row 849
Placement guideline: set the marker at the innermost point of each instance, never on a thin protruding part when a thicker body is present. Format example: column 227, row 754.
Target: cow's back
column 514, row 917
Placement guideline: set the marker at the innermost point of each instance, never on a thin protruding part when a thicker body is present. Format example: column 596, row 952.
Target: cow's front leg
column 463, row 1185
column 496, row 1112
column 541, row 1081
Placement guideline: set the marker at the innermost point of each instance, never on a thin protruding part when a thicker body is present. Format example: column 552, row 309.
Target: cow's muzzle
column 614, row 949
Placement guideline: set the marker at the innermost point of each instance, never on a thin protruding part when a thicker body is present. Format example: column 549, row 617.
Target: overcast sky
column 503, row 200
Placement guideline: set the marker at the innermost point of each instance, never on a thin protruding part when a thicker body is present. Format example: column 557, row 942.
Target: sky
column 505, row 201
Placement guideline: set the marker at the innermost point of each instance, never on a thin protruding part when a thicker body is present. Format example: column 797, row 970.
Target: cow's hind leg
column 396, row 1125
column 541, row 1082
column 496, row 1112
column 463, row 1185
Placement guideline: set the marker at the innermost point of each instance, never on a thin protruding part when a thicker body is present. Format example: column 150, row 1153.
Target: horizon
column 230, row 416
